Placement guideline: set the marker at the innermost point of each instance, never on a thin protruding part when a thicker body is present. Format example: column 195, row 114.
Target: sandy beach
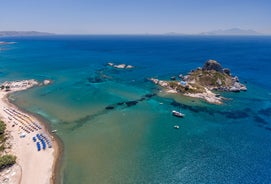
column 32, row 166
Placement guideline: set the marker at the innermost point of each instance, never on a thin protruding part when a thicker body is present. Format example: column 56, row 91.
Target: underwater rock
column 236, row 114
column 142, row 99
column 110, row 107
column 265, row 112
column 95, row 80
column 150, row 95
column 131, row 103
column 267, row 128
column 260, row 120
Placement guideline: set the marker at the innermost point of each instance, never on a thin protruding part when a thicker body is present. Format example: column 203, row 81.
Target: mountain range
column 23, row 33
column 232, row 31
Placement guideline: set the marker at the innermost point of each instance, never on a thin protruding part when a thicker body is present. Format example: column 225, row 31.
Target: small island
column 202, row 82
column 120, row 66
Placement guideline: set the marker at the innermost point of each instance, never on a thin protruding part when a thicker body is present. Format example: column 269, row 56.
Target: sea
column 107, row 140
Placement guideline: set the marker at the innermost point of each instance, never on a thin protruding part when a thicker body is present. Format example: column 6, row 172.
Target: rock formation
column 212, row 65
column 201, row 83
column 120, row 66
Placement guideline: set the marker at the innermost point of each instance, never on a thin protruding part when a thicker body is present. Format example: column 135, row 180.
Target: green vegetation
column 7, row 88
column 2, row 127
column 175, row 85
column 2, row 132
column 7, row 160
column 210, row 78
column 2, row 147
column 199, row 79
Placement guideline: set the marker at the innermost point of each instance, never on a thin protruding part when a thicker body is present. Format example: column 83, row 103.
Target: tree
column 7, row 88
column 7, row 160
column 2, row 127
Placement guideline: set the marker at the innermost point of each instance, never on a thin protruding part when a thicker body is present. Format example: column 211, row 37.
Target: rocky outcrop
column 201, row 83
column 46, row 82
column 120, row 66
column 214, row 77
column 212, row 65
column 227, row 71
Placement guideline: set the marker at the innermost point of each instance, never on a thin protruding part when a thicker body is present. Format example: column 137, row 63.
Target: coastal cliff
column 202, row 82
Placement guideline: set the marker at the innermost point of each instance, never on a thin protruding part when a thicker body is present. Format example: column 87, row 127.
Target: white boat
column 54, row 131
column 177, row 114
column 176, row 127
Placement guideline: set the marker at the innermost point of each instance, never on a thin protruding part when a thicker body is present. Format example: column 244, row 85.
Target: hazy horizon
column 139, row 17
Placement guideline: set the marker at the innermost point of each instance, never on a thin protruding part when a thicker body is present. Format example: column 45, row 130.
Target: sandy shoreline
column 32, row 166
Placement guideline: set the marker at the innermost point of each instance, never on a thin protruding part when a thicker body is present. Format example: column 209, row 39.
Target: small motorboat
column 54, row 131
column 176, row 127
column 177, row 114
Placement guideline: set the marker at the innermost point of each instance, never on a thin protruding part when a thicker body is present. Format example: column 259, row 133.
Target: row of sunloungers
column 25, row 121
column 42, row 140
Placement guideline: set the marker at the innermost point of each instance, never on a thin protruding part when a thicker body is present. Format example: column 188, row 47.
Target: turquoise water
column 227, row 143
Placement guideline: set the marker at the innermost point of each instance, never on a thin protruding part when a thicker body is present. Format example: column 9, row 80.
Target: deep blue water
column 227, row 143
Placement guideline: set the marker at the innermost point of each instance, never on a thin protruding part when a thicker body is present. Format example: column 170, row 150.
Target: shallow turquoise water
column 228, row 143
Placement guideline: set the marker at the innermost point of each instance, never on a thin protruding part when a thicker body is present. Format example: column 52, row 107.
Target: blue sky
column 134, row 16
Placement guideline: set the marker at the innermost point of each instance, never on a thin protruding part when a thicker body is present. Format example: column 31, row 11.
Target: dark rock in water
column 175, row 104
column 150, row 95
column 131, row 103
column 268, row 128
column 120, row 103
column 265, row 112
column 248, row 110
column 191, row 108
column 95, row 80
column 110, row 107
column 236, row 114
column 173, row 78
column 260, row 120
column 212, row 65
column 142, row 99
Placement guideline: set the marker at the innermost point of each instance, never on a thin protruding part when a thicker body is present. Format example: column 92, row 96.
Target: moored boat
column 176, row 127
column 177, row 114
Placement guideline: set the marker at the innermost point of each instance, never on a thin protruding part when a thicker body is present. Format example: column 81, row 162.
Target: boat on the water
column 177, row 114
column 54, row 131
column 176, row 127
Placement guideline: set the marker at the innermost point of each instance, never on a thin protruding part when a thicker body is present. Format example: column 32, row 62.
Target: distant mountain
column 24, row 33
column 174, row 34
column 233, row 31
